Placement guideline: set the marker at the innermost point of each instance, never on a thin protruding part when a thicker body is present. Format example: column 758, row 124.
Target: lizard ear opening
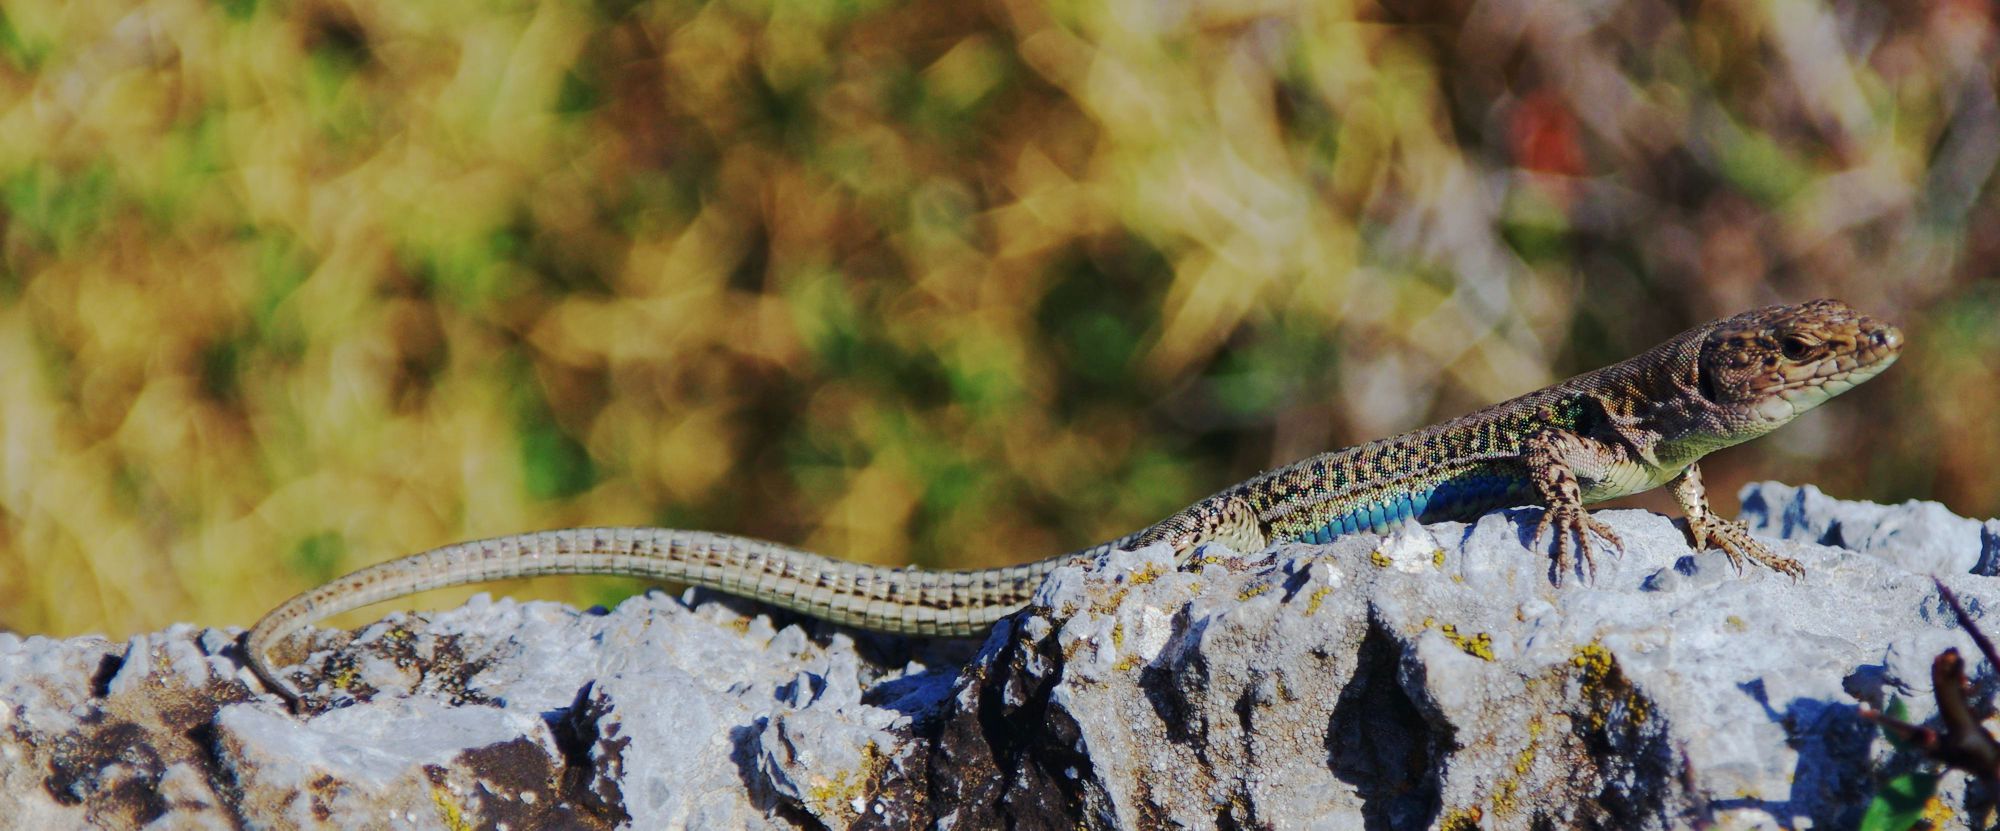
column 1704, row 383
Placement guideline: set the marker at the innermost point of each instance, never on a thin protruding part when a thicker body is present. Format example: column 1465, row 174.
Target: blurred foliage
column 1909, row 800
column 287, row 287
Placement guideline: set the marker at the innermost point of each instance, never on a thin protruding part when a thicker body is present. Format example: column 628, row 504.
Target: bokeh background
column 287, row 288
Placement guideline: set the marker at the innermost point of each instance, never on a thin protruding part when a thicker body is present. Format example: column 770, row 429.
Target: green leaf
column 555, row 465
column 1901, row 712
column 1900, row 803
column 1762, row 167
column 578, row 94
column 25, row 52
column 319, row 556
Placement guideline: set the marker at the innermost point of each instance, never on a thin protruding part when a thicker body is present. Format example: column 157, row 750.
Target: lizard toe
column 1600, row 528
column 1573, row 527
column 1764, row 555
column 1730, row 548
column 1577, row 521
column 1587, row 557
column 1542, row 527
column 1734, row 539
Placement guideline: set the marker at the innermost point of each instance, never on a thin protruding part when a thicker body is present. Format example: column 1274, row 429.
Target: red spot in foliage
column 1542, row 133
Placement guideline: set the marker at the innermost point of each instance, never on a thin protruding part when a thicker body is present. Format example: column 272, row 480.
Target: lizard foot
column 1568, row 520
column 1733, row 537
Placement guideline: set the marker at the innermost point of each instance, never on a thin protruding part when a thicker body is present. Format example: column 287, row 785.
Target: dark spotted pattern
column 1622, row 429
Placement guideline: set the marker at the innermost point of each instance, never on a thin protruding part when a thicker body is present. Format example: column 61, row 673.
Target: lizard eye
column 1798, row 347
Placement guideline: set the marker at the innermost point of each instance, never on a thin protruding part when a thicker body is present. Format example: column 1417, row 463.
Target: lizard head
column 1763, row 368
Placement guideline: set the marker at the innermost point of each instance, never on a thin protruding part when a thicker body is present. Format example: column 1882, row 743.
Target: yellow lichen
column 1939, row 814
column 1594, row 660
column 1605, row 689
column 448, row 811
column 1147, row 573
column 1504, row 803
column 826, row 789
column 1319, row 594
column 836, row 796
column 1461, row 819
column 1506, row 793
column 1114, row 600
column 1478, row 646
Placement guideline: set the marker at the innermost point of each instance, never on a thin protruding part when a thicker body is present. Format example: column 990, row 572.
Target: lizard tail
column 898, row 600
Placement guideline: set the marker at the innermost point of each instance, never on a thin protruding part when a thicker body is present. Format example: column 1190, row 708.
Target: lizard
column 1619, row 430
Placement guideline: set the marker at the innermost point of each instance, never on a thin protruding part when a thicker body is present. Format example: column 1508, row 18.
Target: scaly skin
column 1626, row 428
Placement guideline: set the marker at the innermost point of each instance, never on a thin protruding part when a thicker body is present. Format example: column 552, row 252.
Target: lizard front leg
column 1732, row 536
column 1553, row 458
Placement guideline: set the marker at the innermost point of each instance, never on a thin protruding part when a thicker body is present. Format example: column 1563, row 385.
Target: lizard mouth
column 1872, row 347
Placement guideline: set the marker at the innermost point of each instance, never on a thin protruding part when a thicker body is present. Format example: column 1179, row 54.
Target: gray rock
column 1919, row 536
column 411, row 761
column 1432, row 678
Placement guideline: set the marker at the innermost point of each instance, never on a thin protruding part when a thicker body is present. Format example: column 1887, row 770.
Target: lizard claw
column 1733, row 537
column 1568, row 520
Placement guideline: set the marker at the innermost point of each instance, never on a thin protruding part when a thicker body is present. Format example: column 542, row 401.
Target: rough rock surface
column 1431, row 679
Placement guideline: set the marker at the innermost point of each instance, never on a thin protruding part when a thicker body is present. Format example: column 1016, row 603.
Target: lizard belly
column 1624, row 480
column 1459, row 495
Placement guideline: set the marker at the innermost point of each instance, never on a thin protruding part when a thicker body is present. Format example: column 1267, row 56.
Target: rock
column 496, row 764
column 1434, row 678
column 1919, row 536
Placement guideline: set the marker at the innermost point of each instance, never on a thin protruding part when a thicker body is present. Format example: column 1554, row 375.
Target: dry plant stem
column 1964, row 744
column 1979, row 638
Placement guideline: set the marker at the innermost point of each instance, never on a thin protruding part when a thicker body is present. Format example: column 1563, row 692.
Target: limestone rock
column 1434, row 678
